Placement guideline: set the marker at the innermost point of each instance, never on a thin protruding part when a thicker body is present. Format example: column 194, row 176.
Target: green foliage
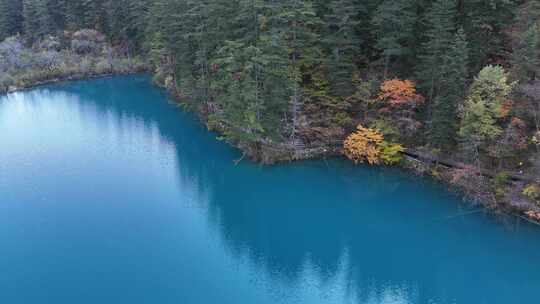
column 485, row 23
column 500, row 183
column 342, row 44
column 393, row 27
column 526, row 56
column 391, row 154
column 286, row 70
column 387, row 128
column 453, row 78
column 441, row 27
column 532, row 191
column 11, row 18
column 493, row 87
column 483, row 107
column 478, row 125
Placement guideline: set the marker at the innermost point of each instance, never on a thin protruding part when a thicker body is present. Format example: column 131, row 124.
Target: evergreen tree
column 485, row 23
column 453, row 83
column 33, row 20
column 126, row 20
column 342, row 43
column 11, row 19
column 94, row 15
column 299, row 22
column 526, row 56
column 393, row 27
column 76, row 14
column 526, row 42
column 439, row 35
column 56, row 12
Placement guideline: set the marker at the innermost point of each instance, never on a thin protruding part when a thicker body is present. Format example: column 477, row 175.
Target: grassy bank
column 78, row 55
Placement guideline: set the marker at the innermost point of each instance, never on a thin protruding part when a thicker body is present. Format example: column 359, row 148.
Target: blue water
column 110, row 194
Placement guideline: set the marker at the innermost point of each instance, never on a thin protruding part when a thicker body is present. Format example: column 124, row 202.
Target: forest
column 453, row 80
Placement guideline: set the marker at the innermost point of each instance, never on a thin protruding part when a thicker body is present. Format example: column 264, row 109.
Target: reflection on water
column 109, row 194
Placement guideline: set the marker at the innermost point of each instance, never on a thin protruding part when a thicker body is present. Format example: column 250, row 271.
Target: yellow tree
column 368, row 145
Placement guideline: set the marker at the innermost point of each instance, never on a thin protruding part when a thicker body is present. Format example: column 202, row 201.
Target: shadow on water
column 386, row 236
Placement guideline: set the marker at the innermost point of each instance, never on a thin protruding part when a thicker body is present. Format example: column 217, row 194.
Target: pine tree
column 342, row 43
column 11, row 19
column 75, row 15
column 55, row 13
column 393, row 27
column 526, row 42
column 453, row 83
column 299, row 22
column 485, row 23
column 33, row 29
column 94, row 15
column 439, row 35
column 526, row 56
column 126, row 20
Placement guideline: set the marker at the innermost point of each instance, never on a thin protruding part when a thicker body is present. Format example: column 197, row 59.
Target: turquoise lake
column 111, row 194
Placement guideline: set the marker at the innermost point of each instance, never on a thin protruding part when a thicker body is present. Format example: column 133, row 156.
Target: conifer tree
column 452, row 88
column 342, row 44
column 33, row 20
column 526, row 56
column 438, row 37
column 299, row 23
column 393, row 27
column 526, row 42
column 485, row 23
column 11, row 19
column 75, row 14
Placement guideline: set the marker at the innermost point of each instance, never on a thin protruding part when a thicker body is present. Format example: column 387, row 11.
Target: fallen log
column 432, row 159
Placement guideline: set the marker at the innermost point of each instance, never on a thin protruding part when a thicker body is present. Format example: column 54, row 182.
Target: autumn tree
column 368, row 145
column 399, row 101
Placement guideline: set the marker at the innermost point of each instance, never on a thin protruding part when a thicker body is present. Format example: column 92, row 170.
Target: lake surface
column 110, row 194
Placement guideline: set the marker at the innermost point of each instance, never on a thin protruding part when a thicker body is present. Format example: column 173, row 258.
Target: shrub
column 368, row 145
column 85, row 66
column 391, row 154
column 103, row 66
column 389, row 130
column 49, row 43
column 499, row 184
column 87, row 41
column 364, row 145
column 532, row 191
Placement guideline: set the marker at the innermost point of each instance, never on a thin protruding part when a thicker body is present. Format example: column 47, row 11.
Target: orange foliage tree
column 368, row 145
column 396, row 92
column 363, row 145
column 399, row 103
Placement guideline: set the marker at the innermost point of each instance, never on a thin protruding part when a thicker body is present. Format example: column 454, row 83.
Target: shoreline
column 270, row 153
column 77, row 77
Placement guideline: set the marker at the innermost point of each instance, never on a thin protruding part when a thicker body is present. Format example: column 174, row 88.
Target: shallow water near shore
column 111, row 194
